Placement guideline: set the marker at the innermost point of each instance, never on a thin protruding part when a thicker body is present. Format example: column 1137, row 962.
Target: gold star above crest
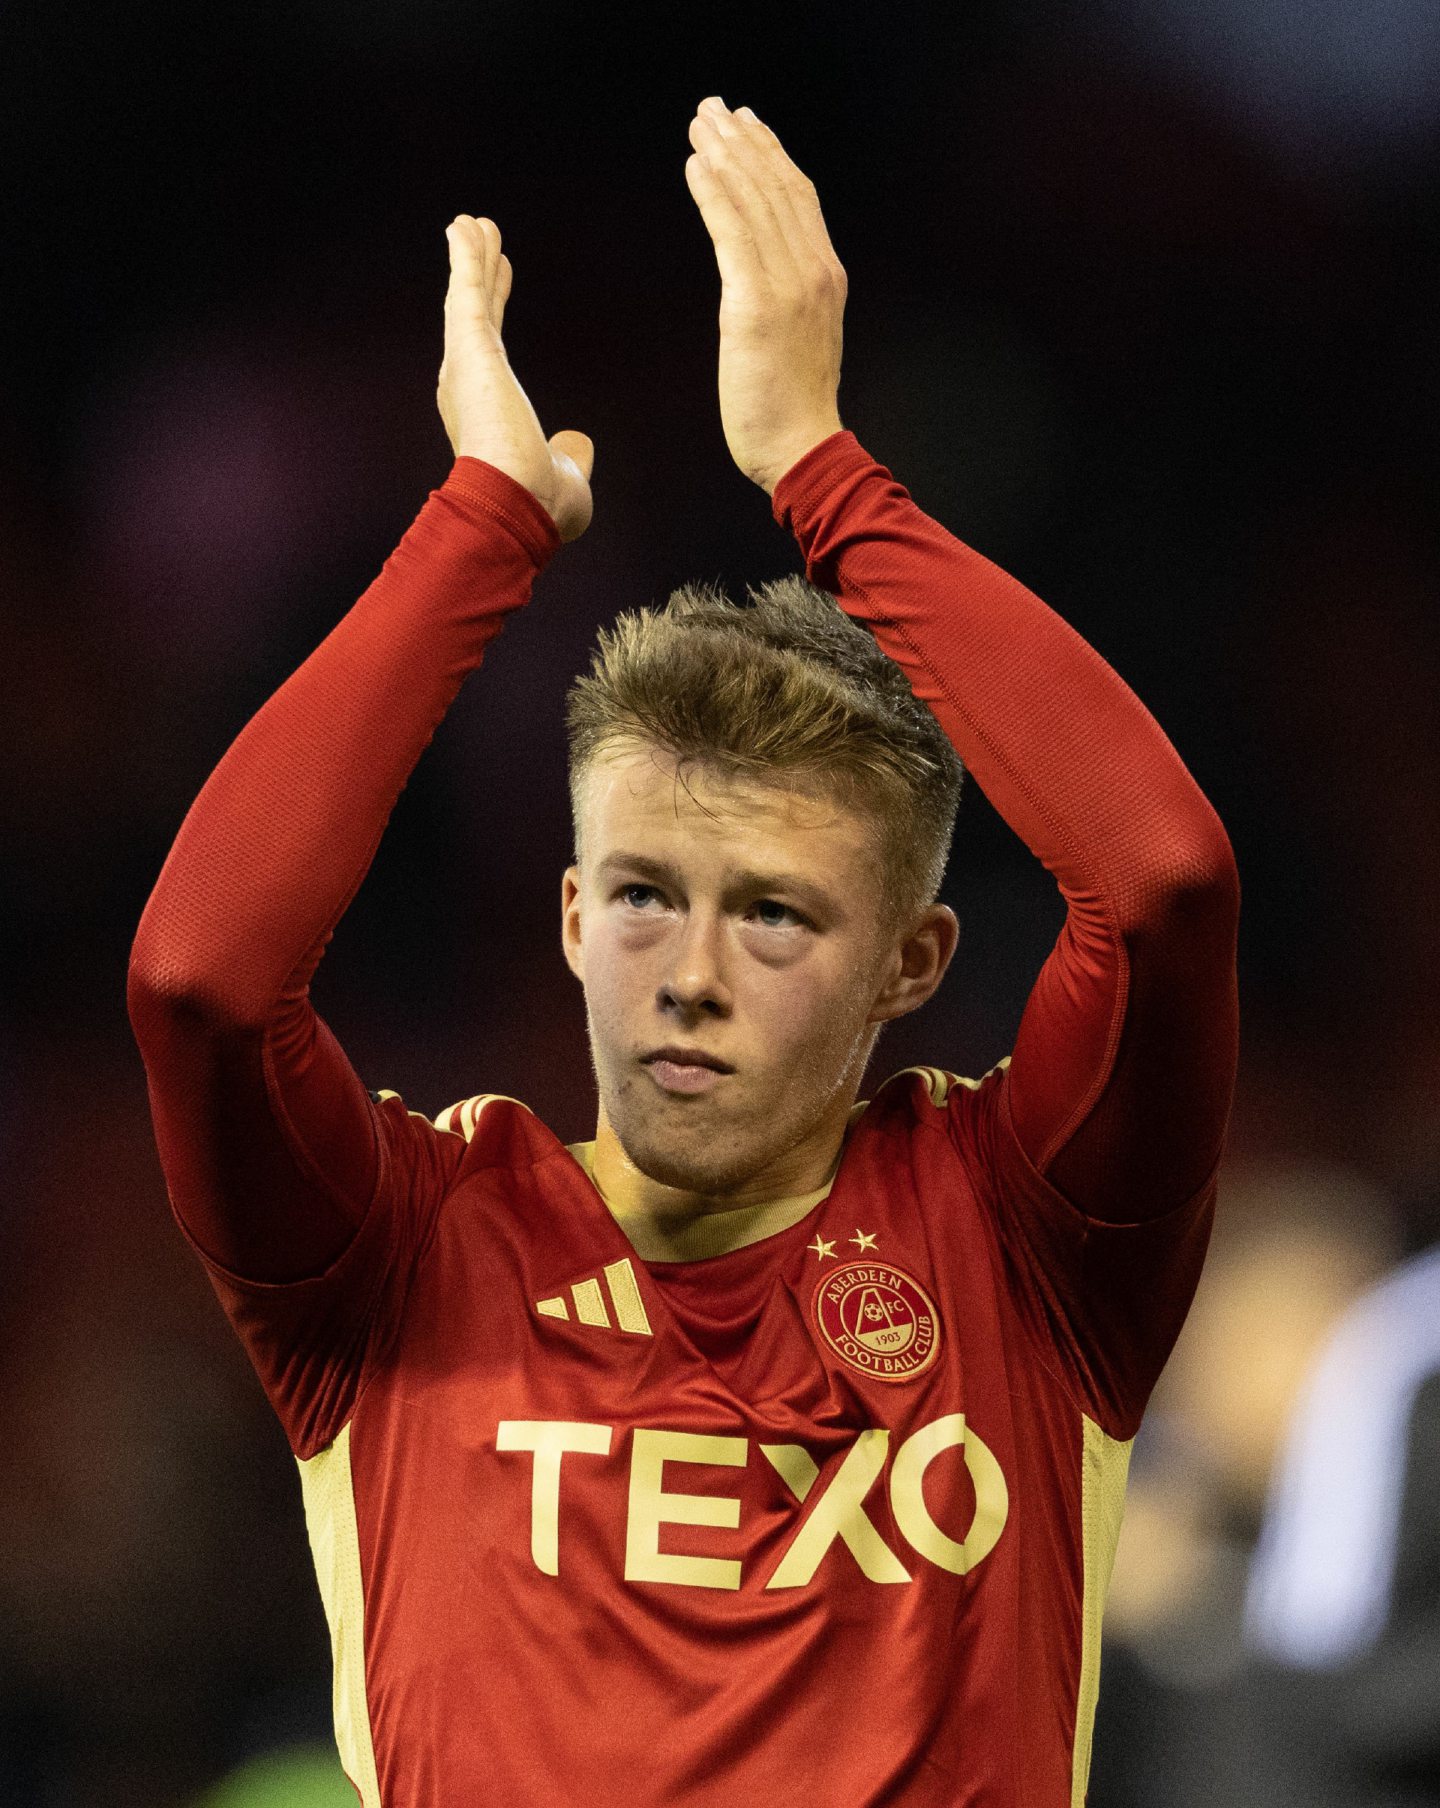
column 864, row 1238
column 821, row 1247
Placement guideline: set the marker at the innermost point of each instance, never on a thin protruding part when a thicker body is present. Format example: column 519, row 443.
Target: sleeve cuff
column 811, row 478
column 486, row 487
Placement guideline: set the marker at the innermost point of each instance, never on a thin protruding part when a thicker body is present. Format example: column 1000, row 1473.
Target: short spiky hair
column 785, row 689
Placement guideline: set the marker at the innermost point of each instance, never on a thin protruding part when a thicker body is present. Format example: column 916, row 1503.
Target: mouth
column 681, row 1070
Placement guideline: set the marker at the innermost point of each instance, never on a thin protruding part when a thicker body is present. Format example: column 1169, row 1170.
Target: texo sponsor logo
column 838, row 1512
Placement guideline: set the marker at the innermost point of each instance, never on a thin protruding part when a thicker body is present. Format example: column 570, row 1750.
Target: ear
column 918, row 964
column 570, row 922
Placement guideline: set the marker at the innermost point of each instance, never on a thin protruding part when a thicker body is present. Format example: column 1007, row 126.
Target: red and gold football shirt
column 812, row 1503
column 826, row 1518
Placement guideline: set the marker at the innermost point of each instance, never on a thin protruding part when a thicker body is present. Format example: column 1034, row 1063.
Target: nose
column 694, row 982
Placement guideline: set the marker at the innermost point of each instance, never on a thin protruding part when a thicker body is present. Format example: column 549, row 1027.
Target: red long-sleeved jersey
column 826, row 1517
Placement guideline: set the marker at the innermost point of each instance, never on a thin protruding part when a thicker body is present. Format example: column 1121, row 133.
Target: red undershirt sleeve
column 305, row 1197
column 1112, row 1111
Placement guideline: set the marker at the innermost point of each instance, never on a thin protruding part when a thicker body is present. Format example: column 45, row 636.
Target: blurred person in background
column 1343, row 1602
column 452, row 1317
column 1183, row 1720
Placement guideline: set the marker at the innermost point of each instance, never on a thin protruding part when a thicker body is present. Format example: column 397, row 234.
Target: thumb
column 579, row 446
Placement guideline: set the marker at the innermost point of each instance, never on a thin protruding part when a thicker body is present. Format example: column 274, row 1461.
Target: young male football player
column 771, row 1446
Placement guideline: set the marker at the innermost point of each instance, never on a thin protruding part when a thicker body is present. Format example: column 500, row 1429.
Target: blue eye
column 628, row 894
column 784, row 909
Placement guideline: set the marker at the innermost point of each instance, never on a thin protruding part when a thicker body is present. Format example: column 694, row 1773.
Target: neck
column 810, row 1164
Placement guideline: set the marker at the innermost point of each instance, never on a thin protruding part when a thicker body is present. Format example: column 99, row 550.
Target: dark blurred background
column 1143, row 304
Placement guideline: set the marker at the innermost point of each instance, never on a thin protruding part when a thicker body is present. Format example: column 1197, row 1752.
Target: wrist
column 797, row 449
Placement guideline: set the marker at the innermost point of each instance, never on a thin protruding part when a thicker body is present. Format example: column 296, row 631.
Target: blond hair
column 783, row 690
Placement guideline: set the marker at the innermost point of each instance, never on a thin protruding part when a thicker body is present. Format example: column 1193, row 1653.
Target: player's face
column 737, row 921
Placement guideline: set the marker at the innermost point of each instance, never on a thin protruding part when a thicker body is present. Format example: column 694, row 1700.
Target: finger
column 716, row 138
column 470, row 284
column 730, row 232
column 467, row 262
column 800, row 192
column 756, row 160
column 749, row 198
column 570, row 443
column 479, row 271
column 490, row 235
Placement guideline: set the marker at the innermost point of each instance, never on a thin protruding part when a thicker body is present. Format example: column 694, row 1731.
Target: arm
column 274, row 1153
column 1120, row 1081
column 1121, row 1076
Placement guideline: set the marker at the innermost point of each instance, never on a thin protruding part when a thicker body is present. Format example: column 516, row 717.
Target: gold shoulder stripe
column 975, row 1085
column 460, row 1119
column 939, row 1079
column 936, row 1079
column 385, row 1093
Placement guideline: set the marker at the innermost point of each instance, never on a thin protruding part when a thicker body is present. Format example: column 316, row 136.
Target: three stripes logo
column 615, row 1306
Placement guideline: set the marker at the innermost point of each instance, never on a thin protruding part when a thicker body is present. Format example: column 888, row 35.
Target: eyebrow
column 739, row 878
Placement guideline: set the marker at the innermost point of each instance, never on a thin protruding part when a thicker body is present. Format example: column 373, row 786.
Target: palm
column 486, row 412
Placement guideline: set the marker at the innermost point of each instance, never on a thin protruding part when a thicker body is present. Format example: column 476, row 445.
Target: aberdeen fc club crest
column 878, row 1320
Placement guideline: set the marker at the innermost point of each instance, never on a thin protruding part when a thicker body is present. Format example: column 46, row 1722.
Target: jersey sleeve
column 1103, row 1132
column 308, row 1199
column 1104, row 1301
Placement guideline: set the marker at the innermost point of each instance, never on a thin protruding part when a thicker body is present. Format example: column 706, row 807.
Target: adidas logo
column 588, row 1299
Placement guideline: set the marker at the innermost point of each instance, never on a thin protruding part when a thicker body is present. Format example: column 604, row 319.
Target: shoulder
column 953, row 1112
column 493, row 1124
column 936, row 1084
column 925, row 1096
column 464, row 1116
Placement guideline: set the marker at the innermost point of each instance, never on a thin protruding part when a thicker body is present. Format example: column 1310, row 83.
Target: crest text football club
column 878, row 1319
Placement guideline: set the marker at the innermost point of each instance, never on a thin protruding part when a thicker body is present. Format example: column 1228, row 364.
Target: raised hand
column 782, row 292
column 486, row 412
